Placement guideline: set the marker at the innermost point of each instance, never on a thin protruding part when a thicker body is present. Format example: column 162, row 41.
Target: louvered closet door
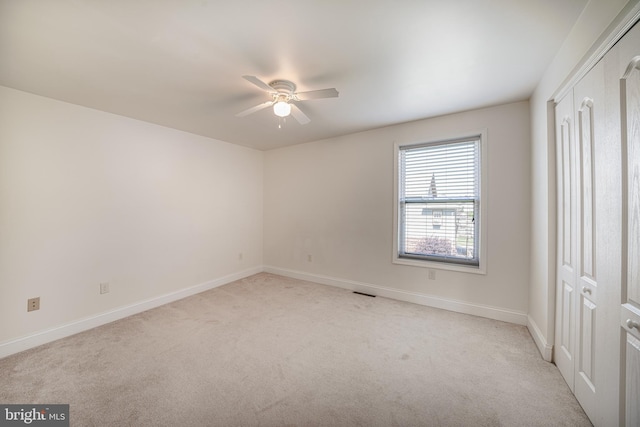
column 629, row 87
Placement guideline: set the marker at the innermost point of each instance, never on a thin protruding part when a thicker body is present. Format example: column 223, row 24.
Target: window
column 439, row 203
column 436, row 218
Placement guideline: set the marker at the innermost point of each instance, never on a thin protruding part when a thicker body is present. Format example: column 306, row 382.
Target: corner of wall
column 14, row 346
column 546, row 349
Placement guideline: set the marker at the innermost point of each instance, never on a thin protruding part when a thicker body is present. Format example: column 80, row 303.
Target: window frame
column 481, row 226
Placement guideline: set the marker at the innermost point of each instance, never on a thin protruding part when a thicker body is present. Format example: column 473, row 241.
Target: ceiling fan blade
column 256, row 81
column 299, row 115
column 317, row 94
column 254, row 109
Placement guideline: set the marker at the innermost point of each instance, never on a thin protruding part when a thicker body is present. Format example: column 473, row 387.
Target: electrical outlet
column 33, row 304
column 309, row 258
column 104, row 288
column 432, row 275
column 240, row 256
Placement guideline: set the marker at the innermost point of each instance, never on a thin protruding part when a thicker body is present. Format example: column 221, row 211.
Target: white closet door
column 565, row 340
column 597, row 343
column 590, row 123
column 629, row 87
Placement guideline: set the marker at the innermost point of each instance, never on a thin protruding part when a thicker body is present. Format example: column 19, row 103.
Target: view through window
column 439, row 201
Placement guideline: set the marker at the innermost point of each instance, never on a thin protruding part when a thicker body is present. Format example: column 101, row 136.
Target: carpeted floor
column 274, row 351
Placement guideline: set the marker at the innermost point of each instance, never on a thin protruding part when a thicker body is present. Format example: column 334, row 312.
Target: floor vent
column 362, row 293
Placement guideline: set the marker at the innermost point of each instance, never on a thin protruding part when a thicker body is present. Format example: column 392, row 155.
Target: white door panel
column 566, row 273
column 629, row 86
column 597, row 343
column 590, row 114
column 632, row 367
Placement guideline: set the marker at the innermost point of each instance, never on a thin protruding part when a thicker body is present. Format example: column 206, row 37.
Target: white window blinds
column 439, row 201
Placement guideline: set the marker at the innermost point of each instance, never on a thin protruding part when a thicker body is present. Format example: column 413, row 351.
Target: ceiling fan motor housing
column 283, row 86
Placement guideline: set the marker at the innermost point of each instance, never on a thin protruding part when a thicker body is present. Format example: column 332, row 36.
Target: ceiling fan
column 283, row 93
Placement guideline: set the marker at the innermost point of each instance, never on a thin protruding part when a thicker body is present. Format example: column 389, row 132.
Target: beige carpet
column 274, row 351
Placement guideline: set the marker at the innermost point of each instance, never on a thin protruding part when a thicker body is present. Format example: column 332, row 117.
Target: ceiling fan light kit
column 282, row 108
column 283, row 94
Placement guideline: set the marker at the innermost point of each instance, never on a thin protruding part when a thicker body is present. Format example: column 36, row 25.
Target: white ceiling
column 179, row 63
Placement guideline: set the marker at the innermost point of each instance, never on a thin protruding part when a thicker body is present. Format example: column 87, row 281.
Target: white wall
column 596, row 17
column 333, row 199
column 88, row 197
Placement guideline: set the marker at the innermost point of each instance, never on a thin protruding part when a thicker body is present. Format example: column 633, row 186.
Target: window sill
column 440, row 265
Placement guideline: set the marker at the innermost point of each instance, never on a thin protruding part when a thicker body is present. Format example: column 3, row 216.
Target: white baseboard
column 24, row 343
column 496, row 313
column 546, row 349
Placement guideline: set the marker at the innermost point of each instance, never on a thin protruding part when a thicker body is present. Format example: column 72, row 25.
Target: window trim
column 482, row 226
